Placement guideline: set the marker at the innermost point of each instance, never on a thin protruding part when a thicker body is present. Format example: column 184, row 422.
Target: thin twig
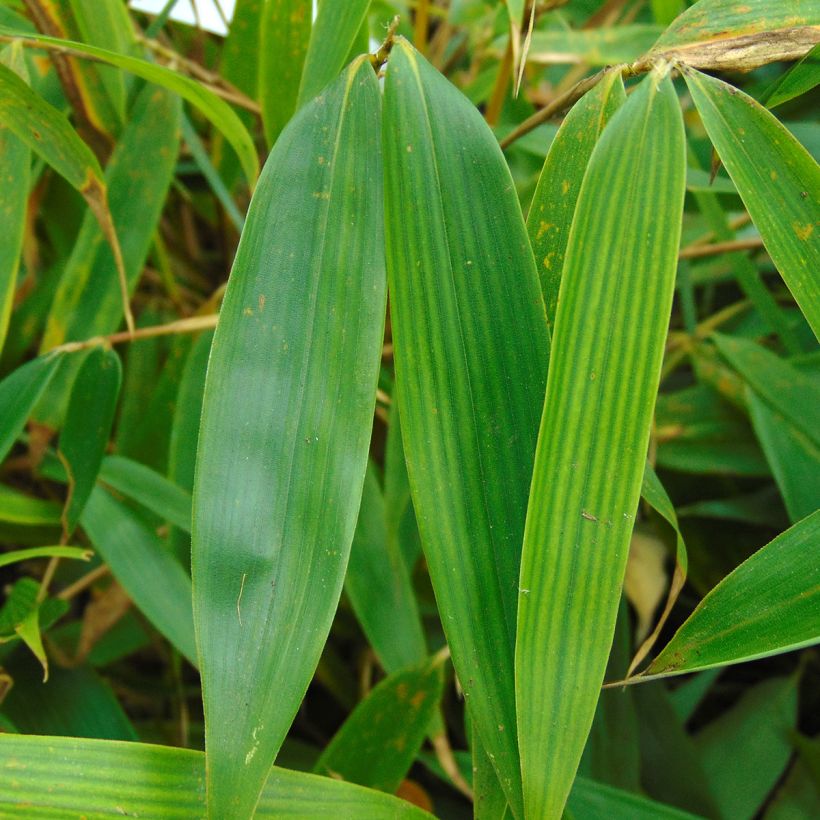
column 696, row 251
column 378, row 59
column 83, row 583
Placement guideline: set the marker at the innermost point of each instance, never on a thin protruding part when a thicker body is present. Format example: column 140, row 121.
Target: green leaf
column 378, row 742
column 333, row 34
column 74, row 702
column 14, row 168
column 795, row 395
column 595, row 46
column 286, row 423
column 214, row 109
column 87, row 428
column 154, row 580
column 553, row 204
column 794, row 459
column 471, row 346
column 799, row 79
column 19, row 393
column 283, row 44
column 96, row 778
column 17, row 508
column 776, row 178
column 728, row 34
column 610, row 329
column 596, row 801
column 745, row 750
column 149, row 488
column 768, row 605
column 379, row 587
column 87, row 302
column 16, row 556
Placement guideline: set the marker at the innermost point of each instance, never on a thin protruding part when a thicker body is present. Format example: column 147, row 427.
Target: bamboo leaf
column 19, row 393
column 555, row 197
column 594, row 47
column 87, row 428
column 333, row 34
column 725, row 34
column 745, row 750
column 795, row 395
column 799, row 79
column 102, row 778
column 286, row 423
column 768, row 605
column 596, row 801
column 214, row 109
column 284, row 36
column 87, row 301
column 776, row 178
column 378, row 585
column 15, row 160
column 619, row 271
column 149, row 488
column 17, row 508
column 378, row 742
column 16, row 556
column 471, row 346
column 47, row 132
column 154, row 580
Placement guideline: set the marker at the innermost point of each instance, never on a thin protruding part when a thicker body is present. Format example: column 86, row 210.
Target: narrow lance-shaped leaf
column 286, row 423
column 87, row 301
column 216, row 110
column 19, row 393
column 67, row 776
column 334, row 32
column 47, row 132
column 776, row 178
column 471, row 347
column 87, row 428
column 768, row 605
column 154, row 580
column 378, row 742
column 556, row 194
column 731, row 35
column 379, row 587
column 799, row 79
column 14, row 556
column 613, row 311
column 15, row 160
column 283, row 43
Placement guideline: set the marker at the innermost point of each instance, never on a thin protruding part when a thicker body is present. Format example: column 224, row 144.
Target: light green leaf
column 378, row 585
column 729, row 34
column 15, row 160
column 471, row 347
column 613, row 311
column 66, row 777
column 595, row 46
column 284, row 35
column 596, row 801
column 16, row 556
column 19, row 393
column 553, row 204
column 745, row 750
column 154, row 580
column 214, row 109
column 87, row 428
column 149, row 488
column 768, row 605
column 776, row 178
column 378, row 742
column 333, row 34
column 799, row 79
column 17, row 508
column 286, row 423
